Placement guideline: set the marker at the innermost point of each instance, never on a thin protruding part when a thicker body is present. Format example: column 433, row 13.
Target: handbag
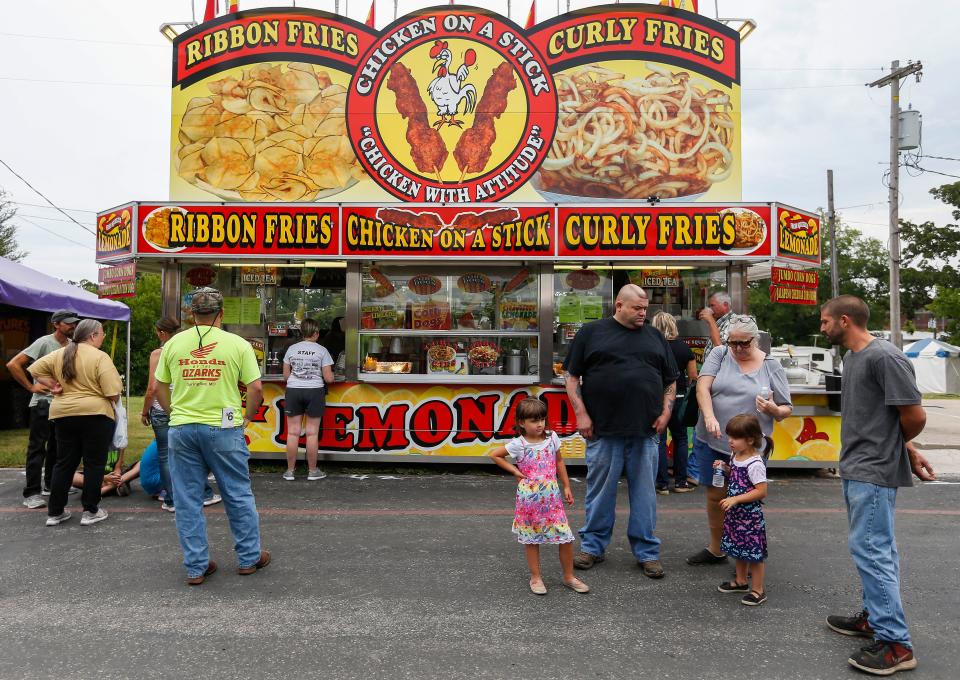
column 120, row 433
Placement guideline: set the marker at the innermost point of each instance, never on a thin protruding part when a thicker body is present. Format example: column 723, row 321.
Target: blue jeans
column 678, row 431
column 607, row 458
column 870, row 510
column 701, row 461
column 160, row 422
column 196, row 450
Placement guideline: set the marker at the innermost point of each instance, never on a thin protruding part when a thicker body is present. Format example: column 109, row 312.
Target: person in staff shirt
column 207, row 420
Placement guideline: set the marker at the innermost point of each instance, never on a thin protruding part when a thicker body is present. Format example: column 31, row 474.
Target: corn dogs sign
column 456, row 104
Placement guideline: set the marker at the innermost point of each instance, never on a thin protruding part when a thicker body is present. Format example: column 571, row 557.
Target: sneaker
column 211, row 477
column 856, row 626
column 584, row 560
column 59, row 519
column 213, row 500
column 705, row 557
column 733, row 587
column 316, row 474
column 168, row 508
column 663, row 491
column 259, row 564
column 693, row 482
column 884, row 658
column 89, row 518
column 682, row 487
column 754, row 599
column 35, row 501
column 288, row 475
column 44, row 490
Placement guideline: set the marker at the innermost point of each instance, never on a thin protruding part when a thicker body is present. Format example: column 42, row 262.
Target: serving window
column 448, row 322
column 586, row 293
column 266, row 304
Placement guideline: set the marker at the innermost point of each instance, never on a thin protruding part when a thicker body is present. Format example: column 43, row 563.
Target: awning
column 21, row 286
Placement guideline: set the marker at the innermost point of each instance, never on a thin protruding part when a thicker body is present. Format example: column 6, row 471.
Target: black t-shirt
column 624, row 373
column 683, row 355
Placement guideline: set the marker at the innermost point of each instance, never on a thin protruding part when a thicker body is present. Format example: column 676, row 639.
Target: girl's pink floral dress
column 540, row 517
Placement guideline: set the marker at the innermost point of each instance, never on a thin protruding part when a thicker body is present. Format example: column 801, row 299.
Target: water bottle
column 718, row 477
column 764, row 394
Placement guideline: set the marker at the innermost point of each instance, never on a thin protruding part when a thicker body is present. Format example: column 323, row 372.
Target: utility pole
column 834, row 265
column 893, row 80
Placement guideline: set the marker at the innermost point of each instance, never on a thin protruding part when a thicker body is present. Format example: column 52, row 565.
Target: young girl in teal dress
column 540, row 517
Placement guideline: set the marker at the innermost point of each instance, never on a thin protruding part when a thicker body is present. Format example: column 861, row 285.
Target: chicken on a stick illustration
column 448, row 89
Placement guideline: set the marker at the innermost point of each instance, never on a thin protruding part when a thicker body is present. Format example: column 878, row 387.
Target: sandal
column 577, row 585
column 537, row 587
column 753, row 598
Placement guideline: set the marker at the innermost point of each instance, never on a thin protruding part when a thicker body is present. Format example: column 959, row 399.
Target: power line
column 917, row 167
column 37, row 191
column 42, row 205
column 942, row 158
column 86, row 40
column 82, row 82
column 53, row 219
column 802, row 87
column 50, row 231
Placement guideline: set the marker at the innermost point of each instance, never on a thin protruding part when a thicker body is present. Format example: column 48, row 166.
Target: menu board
column 231, row 310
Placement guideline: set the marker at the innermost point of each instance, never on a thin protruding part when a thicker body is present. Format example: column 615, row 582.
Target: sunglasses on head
column 742, row 344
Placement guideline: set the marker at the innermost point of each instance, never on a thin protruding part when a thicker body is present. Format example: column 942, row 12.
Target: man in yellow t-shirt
column 204, row 367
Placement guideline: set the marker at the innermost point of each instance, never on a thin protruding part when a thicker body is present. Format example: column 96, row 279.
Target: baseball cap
column 206, row 301
column 64, row 316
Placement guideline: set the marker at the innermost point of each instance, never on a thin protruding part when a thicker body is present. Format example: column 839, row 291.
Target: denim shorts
column 705, row 457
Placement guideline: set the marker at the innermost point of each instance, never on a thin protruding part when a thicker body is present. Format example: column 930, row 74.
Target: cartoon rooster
column 447, row 90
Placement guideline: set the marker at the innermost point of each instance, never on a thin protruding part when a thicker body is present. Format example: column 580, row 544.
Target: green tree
column 929, row 255
column 863, row 272
column 144, row 311
column 8, row 231
column 946, row 305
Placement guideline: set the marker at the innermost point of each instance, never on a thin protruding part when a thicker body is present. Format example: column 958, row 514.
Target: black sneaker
column 663, row 491
column 705, row 557
column 884, row 658
column 733, row 587
column 857, row 626
column 682, row 487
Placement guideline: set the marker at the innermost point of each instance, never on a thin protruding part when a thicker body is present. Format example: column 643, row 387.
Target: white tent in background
column 937, row 366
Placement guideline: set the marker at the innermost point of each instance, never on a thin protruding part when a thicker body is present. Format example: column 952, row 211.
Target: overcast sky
column 86, row 111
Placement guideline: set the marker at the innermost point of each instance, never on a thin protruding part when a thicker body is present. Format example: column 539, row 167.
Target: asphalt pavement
column 388, row 576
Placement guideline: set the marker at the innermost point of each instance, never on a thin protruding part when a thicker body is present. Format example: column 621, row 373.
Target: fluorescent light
column 621, row 267
column 326, row 264
column 742, row 26
column 170, row 32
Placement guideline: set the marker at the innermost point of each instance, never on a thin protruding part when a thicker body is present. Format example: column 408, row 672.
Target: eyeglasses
column 739, row 344
column 742, row 318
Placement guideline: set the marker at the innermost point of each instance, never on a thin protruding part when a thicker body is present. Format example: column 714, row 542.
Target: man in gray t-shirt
column 41, row 445
column 880, row 413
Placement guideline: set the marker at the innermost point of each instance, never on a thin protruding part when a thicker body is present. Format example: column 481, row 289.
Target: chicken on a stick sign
column 456, row 104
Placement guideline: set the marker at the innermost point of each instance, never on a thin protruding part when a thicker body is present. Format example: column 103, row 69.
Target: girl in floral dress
column 540, row 517
column 744, row 529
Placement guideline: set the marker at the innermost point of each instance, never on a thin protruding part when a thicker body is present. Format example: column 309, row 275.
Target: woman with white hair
column 736, row 378
column 85, row 386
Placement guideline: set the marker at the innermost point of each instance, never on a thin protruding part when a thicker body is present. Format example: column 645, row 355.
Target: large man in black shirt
column 621, row 381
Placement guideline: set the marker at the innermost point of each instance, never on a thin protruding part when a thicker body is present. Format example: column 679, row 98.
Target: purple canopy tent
column 21, row 286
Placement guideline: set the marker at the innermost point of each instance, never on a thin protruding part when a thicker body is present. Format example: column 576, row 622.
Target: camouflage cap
column 206, row 301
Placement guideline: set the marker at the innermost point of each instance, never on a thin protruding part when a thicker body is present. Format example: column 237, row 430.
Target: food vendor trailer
column 459, row 195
